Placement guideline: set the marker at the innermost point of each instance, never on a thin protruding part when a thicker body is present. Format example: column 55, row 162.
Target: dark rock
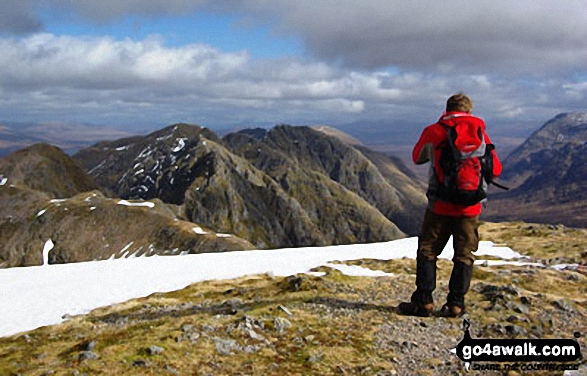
column 89, row 346
column 515, row 330
column 562, row 305
column 512, row 319
column 525, row 300
column 141, row 363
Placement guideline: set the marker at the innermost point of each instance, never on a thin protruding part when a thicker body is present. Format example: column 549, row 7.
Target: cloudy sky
column 375, row 65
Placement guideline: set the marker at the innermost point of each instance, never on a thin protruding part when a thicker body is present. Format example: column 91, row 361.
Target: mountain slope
column 374, row 177
column 340, row 215
column 548, row 174
column 90, row 227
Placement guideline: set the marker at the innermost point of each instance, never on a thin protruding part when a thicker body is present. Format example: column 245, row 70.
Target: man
column 448, row 214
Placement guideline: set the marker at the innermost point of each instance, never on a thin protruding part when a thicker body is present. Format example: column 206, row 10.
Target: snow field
column 42, row 295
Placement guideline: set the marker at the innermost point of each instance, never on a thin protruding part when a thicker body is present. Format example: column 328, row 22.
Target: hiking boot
column 414, row 309
column 451, row 311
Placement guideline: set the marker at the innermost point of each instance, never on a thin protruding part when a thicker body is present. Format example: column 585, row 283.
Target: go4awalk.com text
column 518, row 354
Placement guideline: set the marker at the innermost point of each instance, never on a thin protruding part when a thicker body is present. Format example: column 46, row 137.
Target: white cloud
column 102, row 80
column 62, row 72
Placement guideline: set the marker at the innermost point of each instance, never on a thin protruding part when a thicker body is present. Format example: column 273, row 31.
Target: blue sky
column 201, row 27
column 378, row 67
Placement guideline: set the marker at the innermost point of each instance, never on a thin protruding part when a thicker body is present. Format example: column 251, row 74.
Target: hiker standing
column 462, row 163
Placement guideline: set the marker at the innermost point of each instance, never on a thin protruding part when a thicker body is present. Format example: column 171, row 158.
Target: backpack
column 466, row 162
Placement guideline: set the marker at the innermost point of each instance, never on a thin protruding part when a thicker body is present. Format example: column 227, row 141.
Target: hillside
column 325, row 322
column 548, row 174
column 46, row 196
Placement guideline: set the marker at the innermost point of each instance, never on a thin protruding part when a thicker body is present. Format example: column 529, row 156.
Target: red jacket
column 428, row 149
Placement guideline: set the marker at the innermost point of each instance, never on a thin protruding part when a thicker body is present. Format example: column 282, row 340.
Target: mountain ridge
column 548, row 175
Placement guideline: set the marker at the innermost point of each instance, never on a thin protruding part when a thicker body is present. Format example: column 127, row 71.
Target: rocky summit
column 548, row 174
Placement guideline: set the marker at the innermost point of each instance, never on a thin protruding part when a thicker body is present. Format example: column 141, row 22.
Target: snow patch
column 97, row 167
column 199, row 231
column 144, row 204
column 180, row 144
column 3, row 181
column 122, row 148
column 46, row 249
column 145, row 153
column 41, row 212
column 126, row 247
column 507, row 263
column 219, row 235
column 164, row 137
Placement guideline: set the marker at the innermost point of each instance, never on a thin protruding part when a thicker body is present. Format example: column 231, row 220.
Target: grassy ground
column 306, row 324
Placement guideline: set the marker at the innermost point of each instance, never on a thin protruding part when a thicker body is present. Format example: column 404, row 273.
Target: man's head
column 459, row 102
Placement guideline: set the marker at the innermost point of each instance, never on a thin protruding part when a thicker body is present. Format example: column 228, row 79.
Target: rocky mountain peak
column 158, row 165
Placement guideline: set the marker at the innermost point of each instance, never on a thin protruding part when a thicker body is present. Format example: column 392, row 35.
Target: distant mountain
column 69, row 137
column 290, row 186
column 548, row 174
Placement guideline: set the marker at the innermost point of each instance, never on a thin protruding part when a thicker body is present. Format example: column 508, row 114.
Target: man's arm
column 424, row 150
column 497, row 167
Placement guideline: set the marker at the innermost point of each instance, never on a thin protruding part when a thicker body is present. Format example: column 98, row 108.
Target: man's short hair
column 459, row 102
